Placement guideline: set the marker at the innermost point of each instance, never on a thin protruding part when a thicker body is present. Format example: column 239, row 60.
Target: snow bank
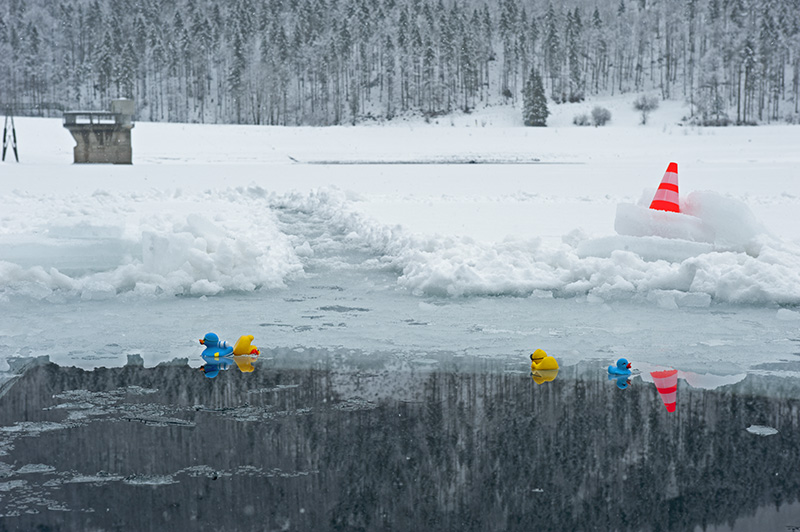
column 102, row 232
column 462, row 268
column 158, row 243
column 724, row 255
column 219, row 242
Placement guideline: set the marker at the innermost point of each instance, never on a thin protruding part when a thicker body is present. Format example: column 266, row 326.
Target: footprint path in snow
column 346, row 285
column 327, row 247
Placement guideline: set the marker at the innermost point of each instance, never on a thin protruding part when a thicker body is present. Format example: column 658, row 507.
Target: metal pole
column 14, row 139
column 5, row 137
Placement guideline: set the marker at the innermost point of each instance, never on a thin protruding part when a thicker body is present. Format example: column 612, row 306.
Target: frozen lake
column 231, row 229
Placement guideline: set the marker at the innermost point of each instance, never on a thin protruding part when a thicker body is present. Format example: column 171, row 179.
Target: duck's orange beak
column 255, row 352
column 628, row 366
column 202, row 341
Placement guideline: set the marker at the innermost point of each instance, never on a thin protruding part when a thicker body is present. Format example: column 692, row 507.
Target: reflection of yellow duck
column 245, row 362
column 544, row 368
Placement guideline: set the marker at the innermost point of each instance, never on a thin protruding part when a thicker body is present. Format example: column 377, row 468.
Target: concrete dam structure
column 102, row 136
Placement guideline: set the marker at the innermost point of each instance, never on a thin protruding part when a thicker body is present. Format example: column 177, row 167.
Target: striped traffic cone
column 667, row 385
column 666, row 198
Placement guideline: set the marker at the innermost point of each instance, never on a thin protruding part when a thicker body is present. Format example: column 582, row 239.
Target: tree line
column 323, row 62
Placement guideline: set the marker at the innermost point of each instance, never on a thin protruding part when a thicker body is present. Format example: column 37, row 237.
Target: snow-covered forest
column 322, row 62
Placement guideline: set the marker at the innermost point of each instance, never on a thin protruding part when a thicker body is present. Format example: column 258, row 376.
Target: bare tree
column 645, row 104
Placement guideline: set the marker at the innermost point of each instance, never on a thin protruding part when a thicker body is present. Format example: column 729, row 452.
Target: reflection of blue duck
column 212, row 367
column 622, row 380
column 623, row 367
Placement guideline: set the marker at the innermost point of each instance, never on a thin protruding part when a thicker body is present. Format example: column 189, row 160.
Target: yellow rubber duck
column 544, row 368
column 539, row 361
column 244, row 347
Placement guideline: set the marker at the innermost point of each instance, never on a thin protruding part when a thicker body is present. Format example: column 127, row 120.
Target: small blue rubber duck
column 623, row 367
column 215, row 348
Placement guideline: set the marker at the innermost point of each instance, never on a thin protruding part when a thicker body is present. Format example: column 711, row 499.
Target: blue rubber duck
column 215, row 348
column 623, row 367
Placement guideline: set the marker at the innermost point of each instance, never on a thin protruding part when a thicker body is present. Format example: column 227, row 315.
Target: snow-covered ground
column 471, row 234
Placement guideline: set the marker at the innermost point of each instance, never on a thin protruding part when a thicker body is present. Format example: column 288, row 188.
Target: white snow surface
column 396, row 218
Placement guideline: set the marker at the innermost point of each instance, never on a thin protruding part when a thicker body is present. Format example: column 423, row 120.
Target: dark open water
column 323, row 440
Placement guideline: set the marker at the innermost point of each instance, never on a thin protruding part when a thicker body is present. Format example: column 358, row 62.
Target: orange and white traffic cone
column 667, row 385
column 666, row 198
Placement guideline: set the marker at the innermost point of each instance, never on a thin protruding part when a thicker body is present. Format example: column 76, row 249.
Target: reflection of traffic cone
column 666, row 198
column 667, row 385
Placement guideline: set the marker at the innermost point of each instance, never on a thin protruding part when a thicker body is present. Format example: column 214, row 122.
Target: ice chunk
column 84, row 229
column 706, row 216
column 68, row 255
column 633, row 220
column 304, row 250
column 785, row 314
column 35, row 468
column 761, row 430
column 732, row 222
column 649, row 248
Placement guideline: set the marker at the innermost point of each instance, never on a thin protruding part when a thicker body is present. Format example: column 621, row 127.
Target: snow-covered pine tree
column 534, row 101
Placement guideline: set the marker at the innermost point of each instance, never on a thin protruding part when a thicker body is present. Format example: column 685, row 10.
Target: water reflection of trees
column 463, row 449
